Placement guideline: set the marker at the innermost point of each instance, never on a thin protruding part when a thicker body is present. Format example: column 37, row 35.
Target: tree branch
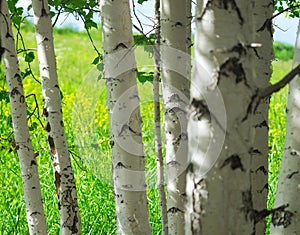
column 267, row 92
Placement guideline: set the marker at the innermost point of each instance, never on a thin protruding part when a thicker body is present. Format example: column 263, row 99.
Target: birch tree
column 128, row 159
column 262, row 39
column 158, row 139
column 287, row 222
column 27, row 157
column 176, row 40
column 63, row 171
column 219, row 179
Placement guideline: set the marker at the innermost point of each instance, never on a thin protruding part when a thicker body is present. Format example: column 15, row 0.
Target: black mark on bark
column 234, row 161
column 262, row 169
column 289, row 176
column 45, row 112
column 51, row 145
column 232, row 4
column 262, row 124
column 120, row 165
column 233, row 65
column 33, row 162
column 47, row 127
column 14, row 92
column 282, row 217
column 57, row 183
column 120, row 45
column 174, row 210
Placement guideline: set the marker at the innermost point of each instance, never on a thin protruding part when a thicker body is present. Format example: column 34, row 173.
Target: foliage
column 283, row 51
column 142, row 1
column 146, row 43
column 281, row 5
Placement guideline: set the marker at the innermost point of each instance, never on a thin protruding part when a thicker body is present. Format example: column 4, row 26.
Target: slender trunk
column 288, row 190
column 64, row 175
column 128, row 159
column 27, row 157
column 158, row 140
column 176, row 40
column 261, row 75
column 220, row 132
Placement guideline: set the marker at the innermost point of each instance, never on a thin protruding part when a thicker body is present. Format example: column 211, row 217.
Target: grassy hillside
column 88, row 138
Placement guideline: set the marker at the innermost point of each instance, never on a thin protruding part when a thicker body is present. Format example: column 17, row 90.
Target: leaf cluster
column 294, row 5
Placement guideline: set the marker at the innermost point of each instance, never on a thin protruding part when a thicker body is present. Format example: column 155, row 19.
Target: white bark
column 64, row 176
column 158, row 139
column 219, row 181
column 176, row 40
column 29, row 170
column 125, row 121
column 287, row 222
column 261, row 75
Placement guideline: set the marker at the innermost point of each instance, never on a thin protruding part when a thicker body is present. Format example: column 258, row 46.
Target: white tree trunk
column 27, row 157
column 128, row 161
column 261, row 74
column 287, row 222
column 219, row 179
column 175, row 49
column 158, row 139
column 64, row 176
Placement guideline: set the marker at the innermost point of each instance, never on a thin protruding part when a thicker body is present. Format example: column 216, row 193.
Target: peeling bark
column 64, row 175
column 29, row 170
column 128, row 160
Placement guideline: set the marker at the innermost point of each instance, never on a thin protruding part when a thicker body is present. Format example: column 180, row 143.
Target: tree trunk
column 128, row 159
column 64, row 176
column 261, row 75
column 176, row 40
column 27, row 156
column 287, row 222
column 158, row 139
column 220, row 132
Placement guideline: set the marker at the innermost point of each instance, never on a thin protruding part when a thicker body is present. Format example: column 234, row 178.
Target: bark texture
column 263, row 52
column 175, row 54
column 128, row 160
column 287, row 221
column 27, row 157
column 158, row 139
column 221, row 134
column 63, row 171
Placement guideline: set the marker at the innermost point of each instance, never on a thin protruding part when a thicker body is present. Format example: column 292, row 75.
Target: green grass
column 277, row 121
column 74, row 57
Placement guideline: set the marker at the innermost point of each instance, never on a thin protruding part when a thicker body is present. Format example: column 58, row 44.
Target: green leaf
column 26, row 73
column 142, row 1
column 100, row 76
column 96, row 60
column 90, row 24
column 145, row 77
column 100, row 67
column 29, row 7
column 29, row 57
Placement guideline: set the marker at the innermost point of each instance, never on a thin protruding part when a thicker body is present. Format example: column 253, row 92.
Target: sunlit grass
column 277, row 121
